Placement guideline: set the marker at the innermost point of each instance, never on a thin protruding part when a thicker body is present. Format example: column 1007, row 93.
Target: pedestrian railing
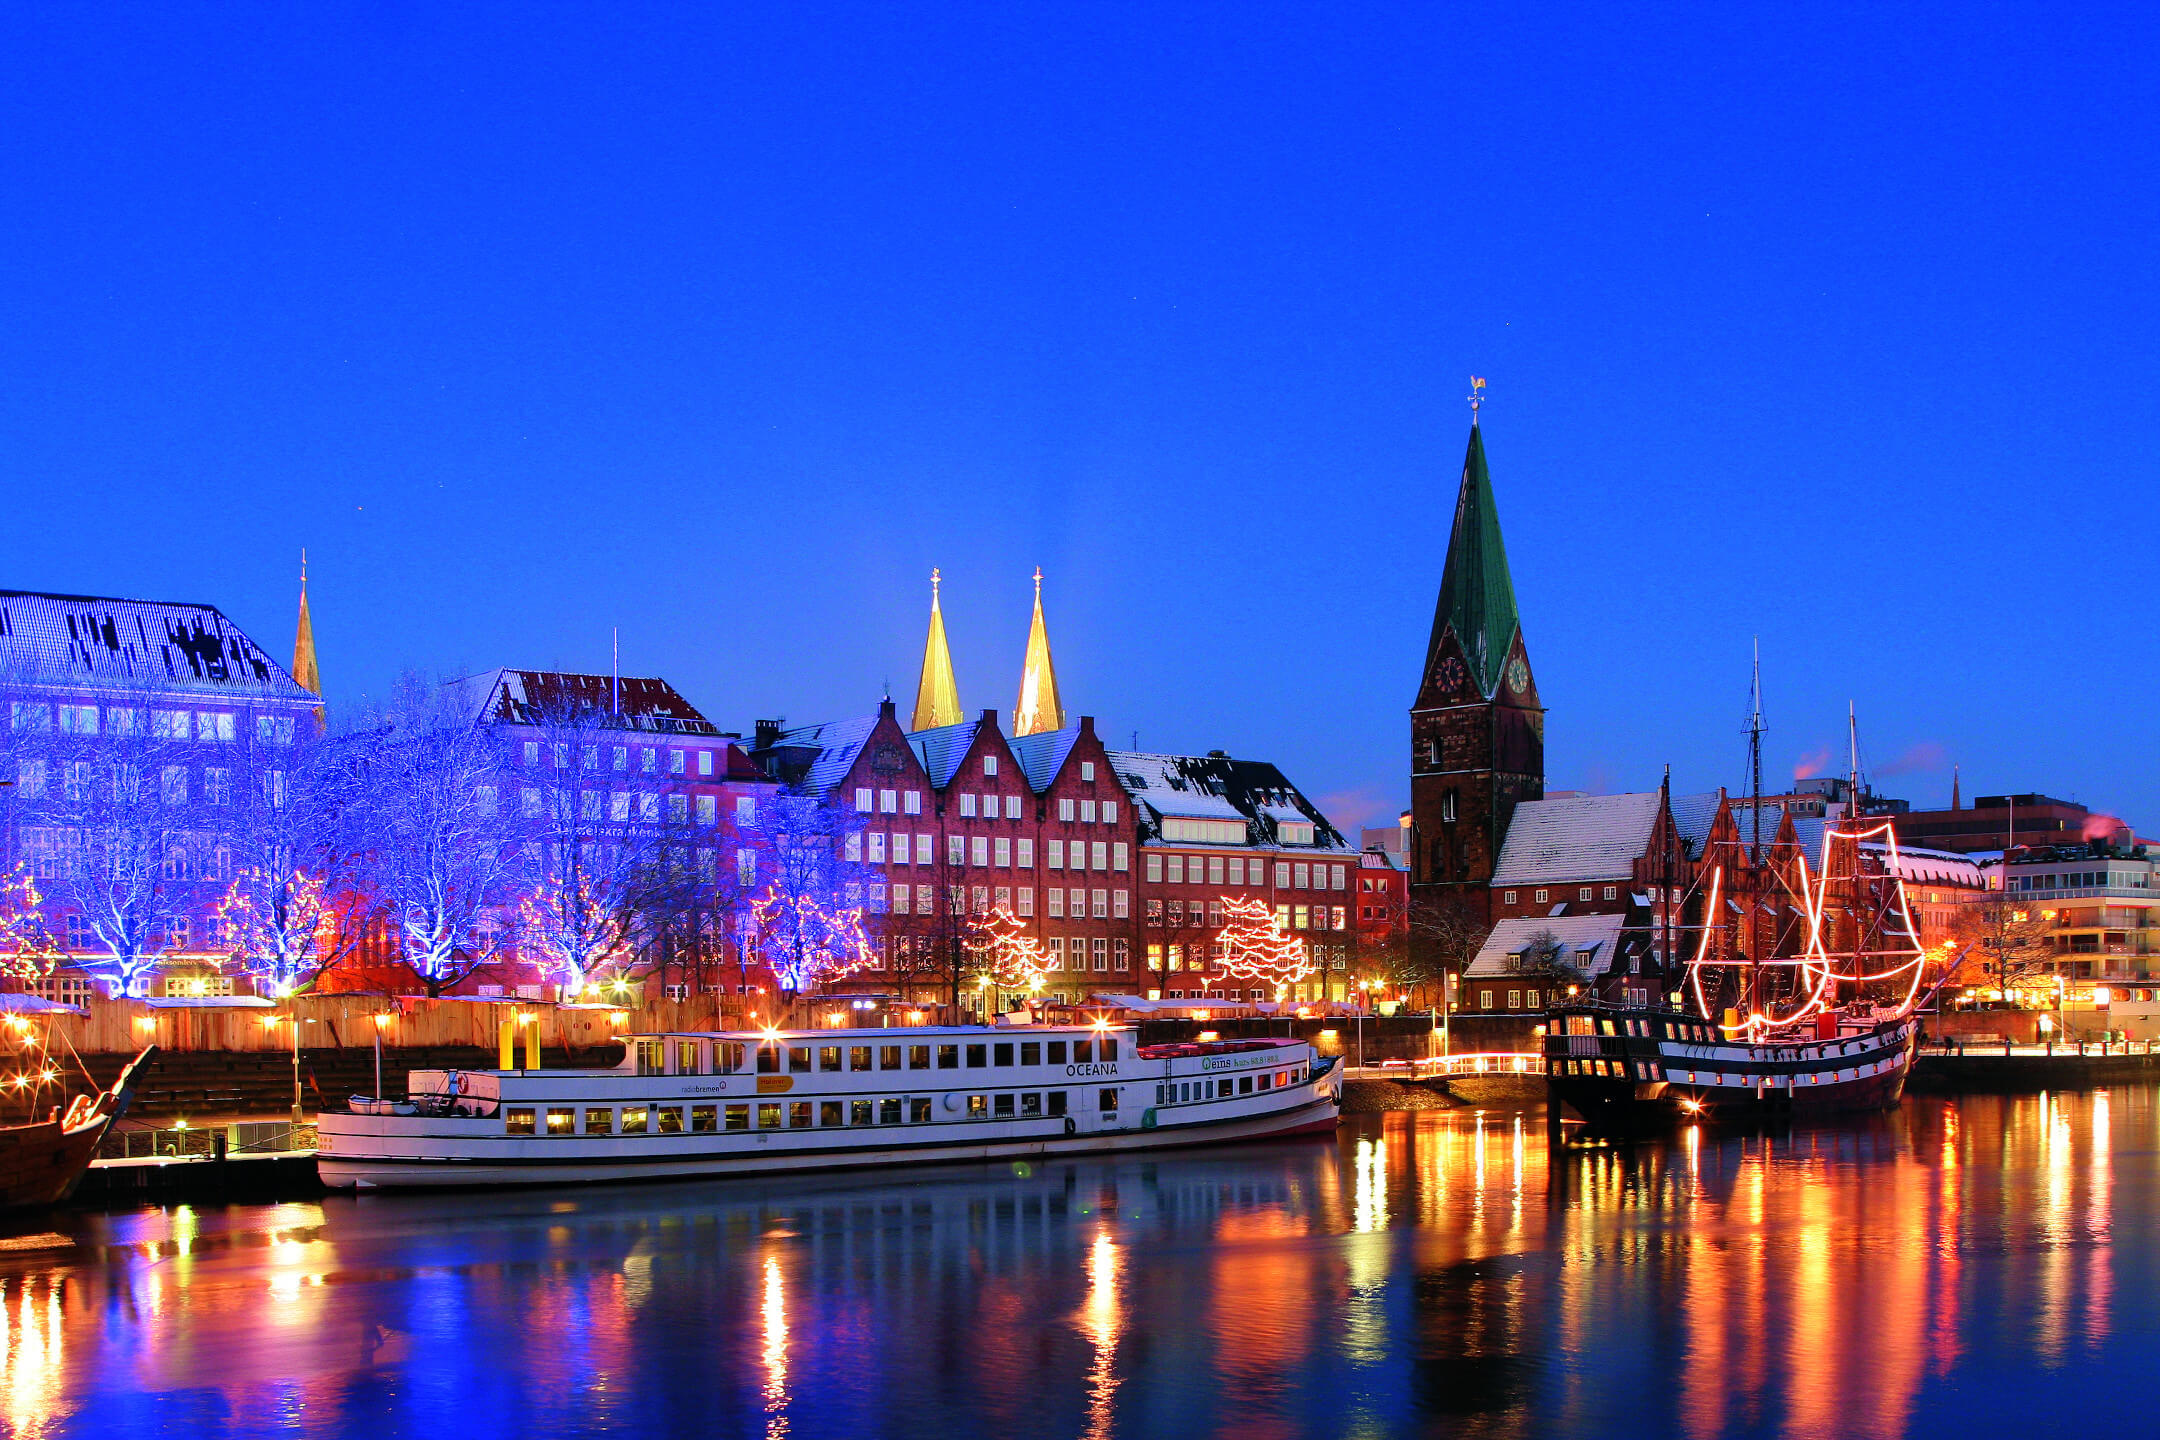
column 1981, row 1047
column 1442, row 1067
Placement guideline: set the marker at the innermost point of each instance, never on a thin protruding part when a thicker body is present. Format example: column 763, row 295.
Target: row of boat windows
column 782, row 1114
column 1185, row 1091
column 1646, row 1070
column 977, row 1055
column 1674, row 1029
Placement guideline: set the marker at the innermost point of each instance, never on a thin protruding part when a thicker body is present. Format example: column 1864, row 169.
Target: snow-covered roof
column 1042, row 754
column 1693, row 815
column 1588, row 943
column 92, row 642
column 941, row 750
column 1169, row 786
column 626, row 702
column 836, row 743
column 1587, row 837
column 1936, row 867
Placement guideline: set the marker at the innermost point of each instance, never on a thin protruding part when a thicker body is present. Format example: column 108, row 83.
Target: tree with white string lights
column 1255, row 948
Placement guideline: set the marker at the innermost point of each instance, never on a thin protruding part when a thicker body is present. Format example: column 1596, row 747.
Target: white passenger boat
column 751, row 1102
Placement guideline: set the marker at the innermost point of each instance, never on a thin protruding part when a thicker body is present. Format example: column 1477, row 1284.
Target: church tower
column 937, row 697
column 1037, row 709
column 1477, row 732
column 304, row 669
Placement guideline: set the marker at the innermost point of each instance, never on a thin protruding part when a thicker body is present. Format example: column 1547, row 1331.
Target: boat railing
column 1443, row 1067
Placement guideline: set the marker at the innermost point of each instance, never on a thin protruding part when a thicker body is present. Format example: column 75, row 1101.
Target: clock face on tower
column 1451, row 674
column 1518, row 676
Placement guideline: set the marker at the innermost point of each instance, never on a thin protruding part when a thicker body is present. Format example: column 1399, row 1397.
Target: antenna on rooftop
column 615, row 687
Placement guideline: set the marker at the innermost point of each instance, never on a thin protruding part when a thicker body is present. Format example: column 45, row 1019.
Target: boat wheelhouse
column 748, row 1102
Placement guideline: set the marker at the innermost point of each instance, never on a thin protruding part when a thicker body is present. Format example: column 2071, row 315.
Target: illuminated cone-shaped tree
column 1013, row 959
column 806, row 942
column 26, row 946
column 1255, row 949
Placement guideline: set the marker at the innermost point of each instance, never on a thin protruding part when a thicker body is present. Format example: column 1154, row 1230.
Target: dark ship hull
column 1637, row 1070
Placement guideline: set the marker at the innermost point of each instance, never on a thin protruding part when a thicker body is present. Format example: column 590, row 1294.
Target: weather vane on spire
column 1477, row 396
column 933, row 582
column 1038, row 583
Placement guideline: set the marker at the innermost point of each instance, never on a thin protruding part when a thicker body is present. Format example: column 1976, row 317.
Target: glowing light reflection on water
column 1955, row 1265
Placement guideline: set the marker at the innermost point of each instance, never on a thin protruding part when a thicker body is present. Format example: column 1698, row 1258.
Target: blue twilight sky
column 725, row 324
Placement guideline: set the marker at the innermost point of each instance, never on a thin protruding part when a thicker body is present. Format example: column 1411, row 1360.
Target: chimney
column 768, row 734
column 1087, row 727
column 886, row 709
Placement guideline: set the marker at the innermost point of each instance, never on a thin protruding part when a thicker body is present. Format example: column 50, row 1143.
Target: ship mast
column 1753, row 894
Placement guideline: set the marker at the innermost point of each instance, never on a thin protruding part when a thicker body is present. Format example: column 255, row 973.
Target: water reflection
column 1954, row 1263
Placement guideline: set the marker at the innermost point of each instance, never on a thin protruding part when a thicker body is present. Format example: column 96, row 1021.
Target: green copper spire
column 1477, row 600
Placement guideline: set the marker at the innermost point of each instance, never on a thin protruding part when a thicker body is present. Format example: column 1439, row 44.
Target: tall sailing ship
column 1799, row 994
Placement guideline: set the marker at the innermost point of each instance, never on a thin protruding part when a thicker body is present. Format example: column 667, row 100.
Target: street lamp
column 382, row 1023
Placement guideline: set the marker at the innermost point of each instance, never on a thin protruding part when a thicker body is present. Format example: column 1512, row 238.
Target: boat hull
column 383, row 1170
column 41, row 1163
column 1653, row 1075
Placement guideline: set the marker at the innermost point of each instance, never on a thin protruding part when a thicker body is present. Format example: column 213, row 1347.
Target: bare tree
column 291, row 910
column 2002, row 942
column 106, row 796
column 441, row 842
column 589, row 854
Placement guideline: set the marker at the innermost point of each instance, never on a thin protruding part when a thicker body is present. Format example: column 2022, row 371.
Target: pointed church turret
column 1477, row 730
column 304, row 669
column 937, row 697
column 1038, row 709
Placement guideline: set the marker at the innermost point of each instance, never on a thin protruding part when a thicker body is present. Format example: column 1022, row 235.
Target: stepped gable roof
column 1042, row 754
column 941, row 750
column 1584, row 837
column 628, row 702
column 1216, row 787
column 1588, row 943
column 1477, row 597
column 105, row 643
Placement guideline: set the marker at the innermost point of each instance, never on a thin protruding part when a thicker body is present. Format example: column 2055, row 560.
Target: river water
column 1975, row 1267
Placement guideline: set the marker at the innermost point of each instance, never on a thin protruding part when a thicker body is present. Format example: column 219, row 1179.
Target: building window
column 1612, row 892
column 1025, row 859
column 982, row 850
column 911, row 803
column 1447, row 808
column 1121, row 906
column 1087, row 812
column 1120, row 856
column 1065, row 809
column 967, row 805
column 989, row 764
column 745, row 810
column 862, row 801
column 1583, row 894
column 1541, row 897
column 1027, row 900
column 1153, row 868
column 704, row 762
column 1099, row 855
column 888, row 802
column 1004, row 853
column 1057, row 908
column 1109, row 812
column 1087, row 770
column 1012, row 807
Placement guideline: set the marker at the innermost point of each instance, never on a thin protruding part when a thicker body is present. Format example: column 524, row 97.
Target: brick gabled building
column 1477, row 729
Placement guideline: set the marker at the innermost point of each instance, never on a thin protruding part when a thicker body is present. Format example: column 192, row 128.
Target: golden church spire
column 937, row 697
column 303, row 651
column 1038, row 709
